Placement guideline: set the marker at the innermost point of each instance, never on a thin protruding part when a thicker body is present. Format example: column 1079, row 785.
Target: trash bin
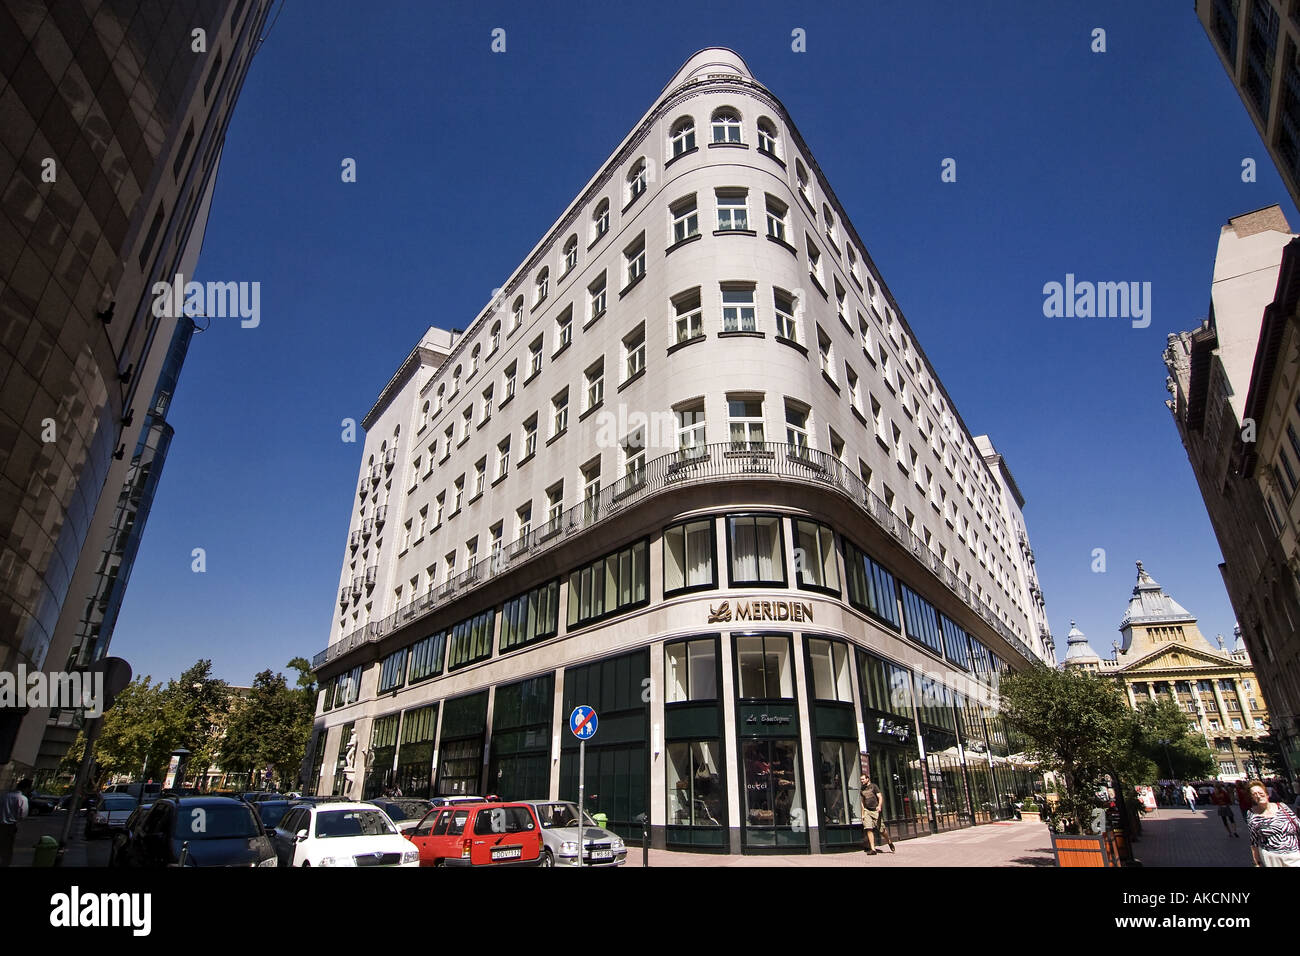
column 46, row 849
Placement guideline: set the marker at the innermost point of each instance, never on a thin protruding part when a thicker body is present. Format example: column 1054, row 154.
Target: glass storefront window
column 471, row 640
column 955, row 646
column 773, row 788
column 839, row 788
column 757, row 551
column 532, row 616
column 344, row 762
column 814, row 557
column 921, row 619
column 392, row 673
column 763, row 665
column 415, row 754
column 886, row 686
column 870, row 586
column 426, row 657
column 696, row 788
column 383, row 750
column 691, row 670
column 616, row 582
column 688, row 557
column 830, row 670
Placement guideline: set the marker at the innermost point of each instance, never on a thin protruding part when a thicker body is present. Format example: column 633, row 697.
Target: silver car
column 560, row 836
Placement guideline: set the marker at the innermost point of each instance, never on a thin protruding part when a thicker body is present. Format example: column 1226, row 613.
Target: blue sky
column 1115, row 166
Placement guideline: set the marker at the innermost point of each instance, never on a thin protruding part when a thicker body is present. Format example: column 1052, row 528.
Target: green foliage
column 1182, row 756
column 1266, row 752
column 270, row 727
column 138, row 730
column 1074, row 723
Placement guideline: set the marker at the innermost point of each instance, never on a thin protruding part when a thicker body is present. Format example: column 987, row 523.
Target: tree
column 1076, row 724
column 137, row 733
column 1165, row 741
column 201, row 704
column 271, row 726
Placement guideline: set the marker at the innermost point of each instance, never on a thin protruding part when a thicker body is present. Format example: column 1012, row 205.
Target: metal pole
column 87, row 759
column 582, row 797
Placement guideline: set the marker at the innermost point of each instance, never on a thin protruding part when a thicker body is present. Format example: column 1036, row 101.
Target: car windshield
column 555, row 815
column 350, row 823
column 215, row 822
column 119, row 801
column 406, row 809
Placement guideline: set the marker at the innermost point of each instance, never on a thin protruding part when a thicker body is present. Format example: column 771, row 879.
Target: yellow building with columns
column 1164, row 655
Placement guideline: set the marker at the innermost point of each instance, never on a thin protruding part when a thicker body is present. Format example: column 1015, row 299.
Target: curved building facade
column 692, row 468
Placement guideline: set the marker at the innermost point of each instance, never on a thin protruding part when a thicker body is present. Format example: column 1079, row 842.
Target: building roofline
column 1277, row 315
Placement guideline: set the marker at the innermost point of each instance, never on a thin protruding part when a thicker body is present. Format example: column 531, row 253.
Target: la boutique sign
column 797, row 611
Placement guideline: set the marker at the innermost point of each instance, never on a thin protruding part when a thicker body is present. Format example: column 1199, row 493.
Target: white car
column 341, row 834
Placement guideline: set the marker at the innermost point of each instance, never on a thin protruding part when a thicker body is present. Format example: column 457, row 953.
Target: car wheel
column 547, row 858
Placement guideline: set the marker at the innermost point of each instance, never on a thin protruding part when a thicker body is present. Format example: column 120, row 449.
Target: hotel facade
column 692, row 468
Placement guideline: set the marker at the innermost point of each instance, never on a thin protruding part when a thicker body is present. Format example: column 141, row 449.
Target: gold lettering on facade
column 796, row 611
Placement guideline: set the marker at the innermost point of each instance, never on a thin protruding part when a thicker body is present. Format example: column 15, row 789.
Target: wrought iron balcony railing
column 697, row 465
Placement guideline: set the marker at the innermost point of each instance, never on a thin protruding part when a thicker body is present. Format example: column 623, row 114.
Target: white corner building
column 691, row 468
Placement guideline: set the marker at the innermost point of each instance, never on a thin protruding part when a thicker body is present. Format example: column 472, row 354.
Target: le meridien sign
column 796, row 611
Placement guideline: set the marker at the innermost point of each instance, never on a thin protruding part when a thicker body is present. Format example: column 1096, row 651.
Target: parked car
column 457, row 801
column 88, row 800
column 340, row 834
column 196, row 831
column 257, row 796
column 111, row 814
column 270, row 812
column 405, row 812
column 42, row 804
column 148, row 792
column 560, row 836
column 483, row 834
column 120, row 837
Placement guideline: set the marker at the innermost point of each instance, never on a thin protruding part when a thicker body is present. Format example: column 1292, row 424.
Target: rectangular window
column 688, row 557
column 595, row 384
column 814, row 557
column 392, row 672
column 824, row 355
column 596, row 292
column 796, row 426
column 691, row 670
column 503, row 458
column 564, row 329
column 634, row 259
column 535, row 357
column 757, row 549
column 776, row 213
column 691, row 430
column 508, row 390
column 689, row 322
column 686, row 219
column 634, row 457
column 956, row 645
column 829, row 662
column 470, row 641
column 616, row 582
column 763, row 668
column 738, row 313
column 870, row 585
column 530, row 437
column 733, row 209
column 886, row 687
column 480, row 476
column 783, row 305
column 487, row 404
column 920, row 619
column 426, row 656
column 634, row 353
column 560, row 413
column 524, row 521
column 532, row 616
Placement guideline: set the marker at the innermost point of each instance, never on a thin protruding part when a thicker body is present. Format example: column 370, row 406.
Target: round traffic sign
column 582, row 722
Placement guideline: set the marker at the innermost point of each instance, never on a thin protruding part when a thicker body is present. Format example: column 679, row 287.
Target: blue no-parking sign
column 583, row 722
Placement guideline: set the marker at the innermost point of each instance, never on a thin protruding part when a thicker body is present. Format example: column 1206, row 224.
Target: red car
column 482, row 834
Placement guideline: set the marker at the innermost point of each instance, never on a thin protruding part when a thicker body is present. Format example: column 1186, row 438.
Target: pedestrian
column 1243, row 798
column 1274, row 830
column 1189, row 794
column 14, row 806
column 1223, row 800
column 872, row 808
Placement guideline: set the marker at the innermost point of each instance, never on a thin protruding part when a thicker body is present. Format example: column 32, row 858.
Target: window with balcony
column 745, row 422
column 524, row 521
column 796, row 425
column 633, row 445
column 691, row 429
column 555, row 502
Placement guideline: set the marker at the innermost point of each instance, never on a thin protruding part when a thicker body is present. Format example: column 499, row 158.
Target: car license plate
column 507, row 853
column 602, row 854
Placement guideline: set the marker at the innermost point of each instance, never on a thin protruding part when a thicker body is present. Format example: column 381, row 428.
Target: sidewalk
column 993, row 844
column 79, row 851
column 1179, row 837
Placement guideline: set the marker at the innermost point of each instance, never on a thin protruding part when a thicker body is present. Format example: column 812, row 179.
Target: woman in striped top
column 1274, row 830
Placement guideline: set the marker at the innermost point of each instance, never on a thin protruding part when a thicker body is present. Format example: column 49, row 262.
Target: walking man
column 13, row 807
column 1189, row 794
column 1223, row 802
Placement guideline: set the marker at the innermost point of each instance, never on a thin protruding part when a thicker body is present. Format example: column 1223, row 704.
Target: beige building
column 1230, row 382
column 691, row 467
column 1258, row 43
column 1164, row 656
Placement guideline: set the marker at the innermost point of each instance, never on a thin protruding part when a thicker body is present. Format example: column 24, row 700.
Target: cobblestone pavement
column 1173, row 836
column 993, row 844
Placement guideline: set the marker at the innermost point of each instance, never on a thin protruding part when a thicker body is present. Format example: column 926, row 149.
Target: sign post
column 582, row 722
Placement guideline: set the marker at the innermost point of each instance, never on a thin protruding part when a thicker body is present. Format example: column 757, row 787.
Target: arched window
column 683, row 136
column 767, row 136
column 636, row 179
column 424, row 415
column 543, row 284
column 441, row 397
column 473, row 359
column 726, row 126
column 801, row 177
column 830, row 222
column 600, row 219
column 494, row 342
column 571, row 254
column 455, row 381
column 517, row 314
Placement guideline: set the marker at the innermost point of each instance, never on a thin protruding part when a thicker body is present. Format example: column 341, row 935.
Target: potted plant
column 1031, row 811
